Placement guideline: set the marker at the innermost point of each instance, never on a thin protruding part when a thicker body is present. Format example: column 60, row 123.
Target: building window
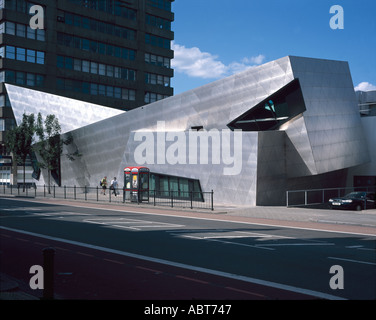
column 30, row 33
column 102, row 69
column 22, row 30
column 39, row 80
column 95, row 68
column 10, row 28
column 274, row 111
column 40, row 34
column 68, row 63
column 77, row 64
column 158, row 22
column 10, row 52
column 157, row 79
column 30, row 56
column 128, row 94
column 157, row 41
column 151, row 97
column 40, row 57
column 157, row 60
column 20, row 54
column 94, row 46
column 101, row 90
column 20, row 78
column 161, row 4
column 85, row 66
column 98, row 26
column 30, row 79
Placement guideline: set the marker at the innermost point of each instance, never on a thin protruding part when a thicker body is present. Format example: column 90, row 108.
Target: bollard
column 48, row 267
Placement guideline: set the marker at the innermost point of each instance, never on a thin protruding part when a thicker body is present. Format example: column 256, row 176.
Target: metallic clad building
column 289, row 123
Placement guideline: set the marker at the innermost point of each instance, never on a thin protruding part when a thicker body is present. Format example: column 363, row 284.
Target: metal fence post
column 85, row 190
column 172, row 199
column 212, row 200
column 97, row 194
column 74, row 192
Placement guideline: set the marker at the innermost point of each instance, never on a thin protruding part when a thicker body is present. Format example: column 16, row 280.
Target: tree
column 19, row 141
column 50, row 145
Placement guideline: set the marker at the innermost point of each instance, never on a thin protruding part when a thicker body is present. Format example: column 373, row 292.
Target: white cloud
column 365, row 86
column 195, row 63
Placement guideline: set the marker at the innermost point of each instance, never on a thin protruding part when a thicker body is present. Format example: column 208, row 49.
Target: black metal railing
column 311, row 197
column 182, row 199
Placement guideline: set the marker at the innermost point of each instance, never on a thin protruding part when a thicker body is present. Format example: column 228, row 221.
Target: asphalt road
column 211, row 251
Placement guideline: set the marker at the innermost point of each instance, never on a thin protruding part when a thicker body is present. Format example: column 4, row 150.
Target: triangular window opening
column 274, row 111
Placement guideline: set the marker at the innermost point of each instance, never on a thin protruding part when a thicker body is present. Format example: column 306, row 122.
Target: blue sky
column 216, row 38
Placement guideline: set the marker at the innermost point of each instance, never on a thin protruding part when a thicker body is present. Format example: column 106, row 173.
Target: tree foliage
column 50, row 145
column 19, row 141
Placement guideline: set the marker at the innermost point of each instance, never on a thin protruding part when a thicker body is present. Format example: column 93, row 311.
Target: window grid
column 98, row 26
column 22, row 54
column 23, row 31
column 94, row 46
column 96, row 89
column 95, row 68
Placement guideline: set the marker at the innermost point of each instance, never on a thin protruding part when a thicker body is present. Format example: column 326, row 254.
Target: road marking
column 114, row 261
column 369, row 249
column 85, row 254
column 246, row 292
column 239, row 244
column 60, row 248
column 350, row 260
column 191, row 279
column 126, row 223
column 148, row 269
column 41, row 244
column 200, row 218
column 280, row 286
column 294, row 244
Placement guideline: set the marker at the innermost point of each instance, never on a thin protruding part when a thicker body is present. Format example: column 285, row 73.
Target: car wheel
column 358, row 207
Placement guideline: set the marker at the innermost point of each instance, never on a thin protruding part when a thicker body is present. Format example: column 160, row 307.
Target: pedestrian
column 114, row 185
column 104, row 185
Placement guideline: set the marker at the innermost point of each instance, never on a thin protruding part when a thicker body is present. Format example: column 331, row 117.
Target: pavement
column 363, row 222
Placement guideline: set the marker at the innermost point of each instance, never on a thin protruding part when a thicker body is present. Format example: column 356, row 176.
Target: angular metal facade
column 243, row 168
column 72, row 114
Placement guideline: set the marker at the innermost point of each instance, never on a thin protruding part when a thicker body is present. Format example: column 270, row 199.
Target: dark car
column 358, row 200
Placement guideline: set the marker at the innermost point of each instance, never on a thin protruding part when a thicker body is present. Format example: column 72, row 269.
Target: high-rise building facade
column 114, row 53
